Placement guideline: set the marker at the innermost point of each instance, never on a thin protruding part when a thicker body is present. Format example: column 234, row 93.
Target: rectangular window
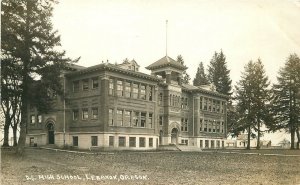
column 32, row 119
column 111, row 140
column 186, row 103
column 218, row 106
column 135, row 119
column 39, row 118
column 150, row 93
column 222, row 107
column 95, row 113
column 160, row 120
column 206, row 143
column 122, row 141
column 94, row 140
column 201, row 99
column 160, row 98
column 150, row 142
column 127, row 90
column 201, row 143
column 111, row 86
column 132, row 141
column 218, row 126
column 209, row 126
column 212, row 144
column 85, row 84
column 213, row 105
column 213, row 127
column 127, row 118
column 95, row 83
column 142, row 141
column 209, row 104
column 135, row 90
column 205, row 104
column 201, row 121
column 120, row 117
column 143, row 119
column 119, row 88
column 150, row 120
column 218, row 144
column 76, row 86
column 143, row 92
column 110, row 116
column 85, row 114
column 205, row 125
column 75, row 115
column 184, row 124
column 75, row 140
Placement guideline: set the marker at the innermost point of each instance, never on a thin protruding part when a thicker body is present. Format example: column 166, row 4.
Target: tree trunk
column 248, row 141
column 6, row 132
column 292, row 138
column 258, row 134
column 15, row 135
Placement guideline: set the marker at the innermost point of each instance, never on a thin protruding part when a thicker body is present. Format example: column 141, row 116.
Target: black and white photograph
column 197, row 92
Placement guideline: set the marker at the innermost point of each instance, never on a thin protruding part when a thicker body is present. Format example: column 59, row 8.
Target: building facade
column 117, row 107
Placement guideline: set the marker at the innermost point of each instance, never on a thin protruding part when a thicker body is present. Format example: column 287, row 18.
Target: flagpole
column 166, row 37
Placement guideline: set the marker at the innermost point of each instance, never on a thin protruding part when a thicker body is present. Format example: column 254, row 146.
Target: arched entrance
column 174, row 136
column 50, row 128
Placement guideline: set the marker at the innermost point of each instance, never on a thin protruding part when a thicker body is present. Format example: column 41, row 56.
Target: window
column 218, row 144
column 127, row 90
column 218, row 126
column 32, row 119
column 120, row 117
column 185, row 141
column 150, row 120
column 182, row 102
column 160, row 98
column 205, row 125
column 132, row 142
column 184, row 124
column 222, row 107
column 213, row 126
column 201, row 121
column 150, row 93
column 76, row 86
column 85, row 114
column 209, row 126
column 75, row 140
column 173, row 101
column 209, row 104
column 95, row 83
column 201, row 99
column 143, row 92
column 75, row 115
column 186, row 103
column 212, row 144
column 135, row 90
column 201, row 143
column 122, row 141
column 135, row 119
column 85, row 84
column 94, row 113
column 213, row 105
column 160, row 120
column 206, row 143
column 143, row 119
column 119, row 88
column 110, row 116
column 150, row 142
column 142, row 141
column 127, row 118
column 39, row 118
column 111, row 140
column 111, row 86
column 205, row 104
column 218, row 106
column 94, row 140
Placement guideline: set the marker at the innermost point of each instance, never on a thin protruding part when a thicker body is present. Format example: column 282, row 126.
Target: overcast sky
column 99, row 30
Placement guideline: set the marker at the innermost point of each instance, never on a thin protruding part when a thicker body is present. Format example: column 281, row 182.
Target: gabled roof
column 191, row 88
column 166, row 61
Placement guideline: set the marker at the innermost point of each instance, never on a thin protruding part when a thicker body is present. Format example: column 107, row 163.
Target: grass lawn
column 41, row 166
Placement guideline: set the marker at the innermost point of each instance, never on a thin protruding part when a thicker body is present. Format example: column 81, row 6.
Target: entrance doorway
column 174, row 136
column 50, row 128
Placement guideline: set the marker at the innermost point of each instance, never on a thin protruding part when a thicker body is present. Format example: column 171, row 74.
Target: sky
column 101, row 30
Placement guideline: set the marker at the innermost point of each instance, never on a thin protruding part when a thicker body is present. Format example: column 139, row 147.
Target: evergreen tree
column 200, row 78
column 253, row 96
column 218, row 74
column 29, row 40
column 185, row 77
column 286, row 103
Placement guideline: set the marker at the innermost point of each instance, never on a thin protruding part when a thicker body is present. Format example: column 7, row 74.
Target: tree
column 218, row 74
column 29, row 40
column 253, row 96
column 286, row 104
column 185, row 77
column 200, row 78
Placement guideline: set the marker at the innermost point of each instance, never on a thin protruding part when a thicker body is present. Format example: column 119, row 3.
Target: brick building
column 117, row 107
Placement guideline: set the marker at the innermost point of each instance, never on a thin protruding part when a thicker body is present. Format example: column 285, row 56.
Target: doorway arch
column 50, row 129
column 174, row 136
